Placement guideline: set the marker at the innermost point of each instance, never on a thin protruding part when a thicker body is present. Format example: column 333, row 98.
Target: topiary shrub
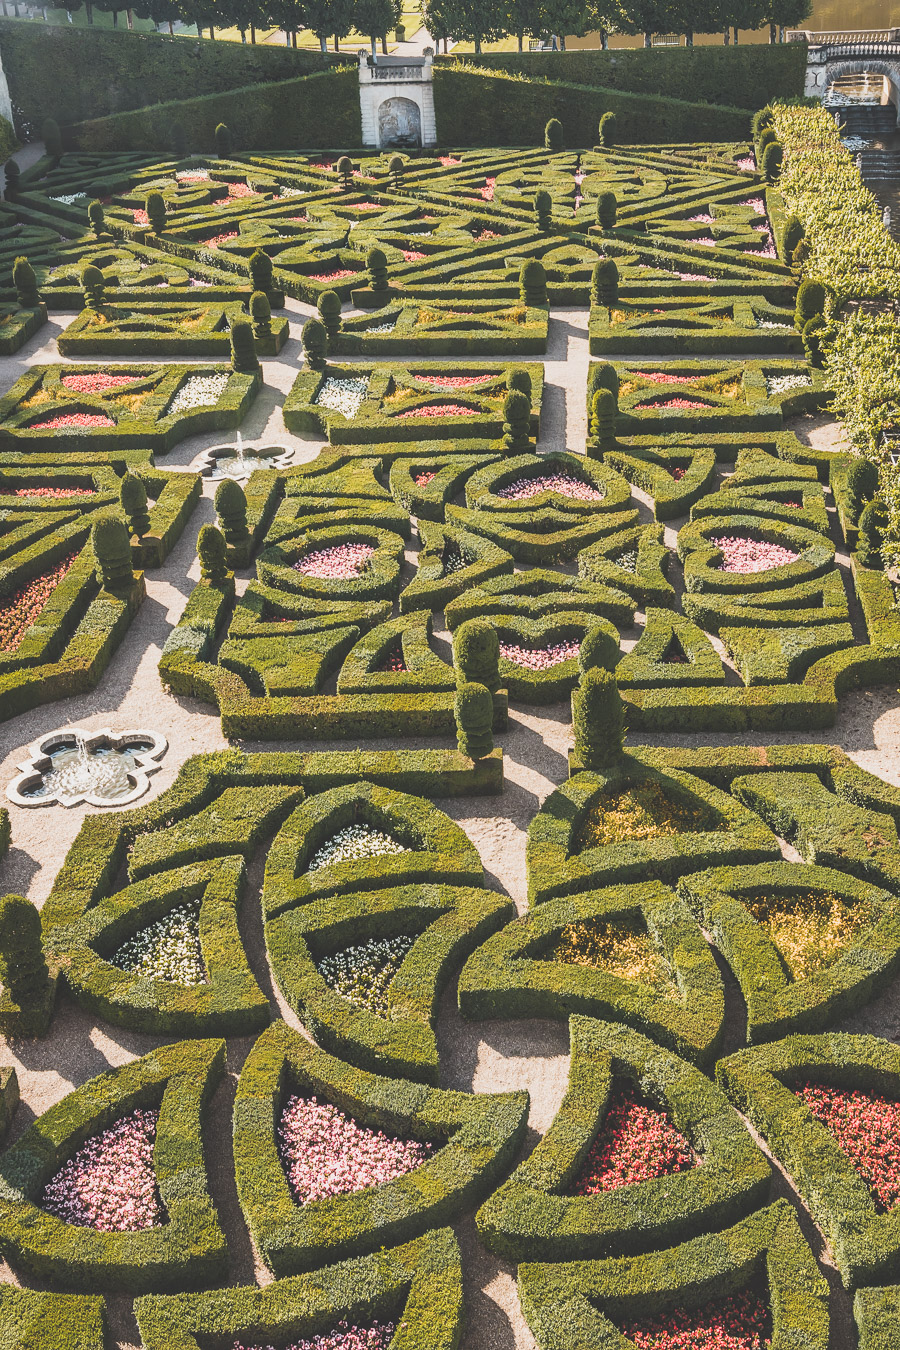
column 156, row 212
column 376, row 263
column 607, row 206
column 533, row 284
column 599, row 650
column 259, row 265
column 607, row 129
column 395, row 170
column 598, row 720
column 52, row 138
column 872, row 525
column 315, row 343
column 605, row 282
column 862, row 484
column 516, row 422
column 133, row 501
column 177, row 139
column 112, row 549
column 517, row 377
column 213, row 554
column 801, row 253
column 473, row 709
column 812, row 334
column 602, row 375
column 23, row 970
column 261, row 314
column 810, row 302
column 329, row 307
column 766, row 137
column 602, row 426
column 771, row 162
column 97, row 218
column 793, row 233
column 231, row 508
column 25, row 283
column 763, row 117
column 553, row 134
column 93, row 287
column 224, row 143
column 243, row 347
column 543, row 210
column 476, row 654
column 12, row 173
column 345, row 172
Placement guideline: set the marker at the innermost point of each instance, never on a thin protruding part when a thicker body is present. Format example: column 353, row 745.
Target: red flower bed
column 485, row 234
column 661, row 376
column 340, row 275
column 83, row 421
column 421, row 479
column 441, row 410
column 97, row 382
column 447, row 160
column 739, row 1322
column 636, row 1143
column 411, row 255
column 671, row 403
column 21, row 609
column 487, row 192
column 457, row 381
column 219, row 239
column 141, row 217
column 867, row 1128
column 240, row 190
column 46, row 492
column 678, row 473
column 393, row 663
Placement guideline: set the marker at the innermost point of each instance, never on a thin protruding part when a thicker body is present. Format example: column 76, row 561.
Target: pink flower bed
column 240, row 190
column 523, row 488
column 739, row 1322
column 341, row 275
column 110, row 1184
column 321, row 163
column 393, row 663
column 411, row 255
column 447, row 160
column 98, row 382
column 748, row 162
column 756, row 204
column 140, row 217
column 368, row 206
column 678, row 473
column 441, row 410
column 423, row 479
column 487, row 192
column 671, row 403
column 539, row 658
column 693, row 276
column 705, row 240
column 336, row 563
column 83, row 421
column 46, row 492
column 457, row 381
column 661, row 377
column 636, row 1143
column 325, row 1152
column 19, row 610
column 703, row 217
column 767, row 252
column 219, row 239
column 751, row 555
column 376, row 1336
column 866, row 1127
column 193, row 176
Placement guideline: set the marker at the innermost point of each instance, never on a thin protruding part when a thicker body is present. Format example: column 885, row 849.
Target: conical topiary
column 517, row 422
column 345, row 172
column 793, row 233
column 177, row 139
column 93, row 287
column 224, row 143
column 261, row 314
column 111, row 543
column 395, row 170
column 767, row 136
column 11, row 174
column 810, row 301
column 605, row 282
column 599, row 650
column 476, row 654
column 243, row 347
column 231, row 508
column 213, row 554
column 872, row 525
column 543, row 210
column 533, row 284
column 329, row 307
column 598, row 719
column 52, row 137
column 259, row 265
column 607, row 129
column 156, row 211
column 23, row 970
column 517, row 377
column 97, row 218
column 862, row 484
column 553, row 134
column 376, row 264
column 763, row 117
column 25, row 283
column 607, row 208
column 473, row 709
column 813, row 332
column 315, row 343
column 602, row 375
column 604, row 411
column 133, row 501
column 772, row 160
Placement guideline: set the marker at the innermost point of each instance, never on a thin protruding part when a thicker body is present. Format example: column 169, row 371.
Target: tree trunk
column 604, row 40
column 171, row 29
column 212, row 33
column 478, row 45
column 689, row 39
column 294, row 38
column 199, row 29
column 129, row 19
column 384, row 50
column 773, row 33
column 337, row 43
column 115, row 16
column 253, row 34
column 88, row 10
column 521, row 46
column 647, row 37
column 562, row 42
column 323, row 46
column 735, row 36
column 727, row 37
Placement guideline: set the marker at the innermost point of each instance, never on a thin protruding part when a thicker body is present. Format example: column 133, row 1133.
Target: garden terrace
column 526, row 831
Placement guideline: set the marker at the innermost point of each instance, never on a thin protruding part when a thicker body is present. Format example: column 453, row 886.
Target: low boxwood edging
column 448, row 923
column 635, row 561
column 760, row 1082
column 534, row 1215
column 778, row 1004
column 32, row 1320
column 440, row 328
column 552, row 683
column 162, row 329
column 877, row 1316
column 515, row 973
column 189, row 1247
column 541, row 593
column 584, row 1303
column 417, row 1286
column 442, row 546
column 479, row 1136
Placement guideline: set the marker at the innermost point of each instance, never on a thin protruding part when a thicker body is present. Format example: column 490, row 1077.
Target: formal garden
column 449, row 651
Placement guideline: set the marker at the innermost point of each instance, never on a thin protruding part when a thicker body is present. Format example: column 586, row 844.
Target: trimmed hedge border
column 30, row 1320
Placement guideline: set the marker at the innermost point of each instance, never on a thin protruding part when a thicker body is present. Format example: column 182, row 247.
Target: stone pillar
column 816, row 71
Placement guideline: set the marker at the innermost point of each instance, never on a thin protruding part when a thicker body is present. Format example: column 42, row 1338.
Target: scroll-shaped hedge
column 32, row 1320
column 444, row 925
column 189, row 1247
column 477, row 1137
column 535, row 1215
column 378, row 579
column 680, row 1004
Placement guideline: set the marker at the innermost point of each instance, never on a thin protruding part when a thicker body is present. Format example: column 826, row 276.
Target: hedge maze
column 305, row 918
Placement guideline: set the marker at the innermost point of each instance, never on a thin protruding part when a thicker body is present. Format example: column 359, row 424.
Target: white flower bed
column 70, row 199
column 342, row 396
column 770, row 323
column 353, row 844
column 167, row 950
column 781, row 384
column 362, row 974
column 198, row 391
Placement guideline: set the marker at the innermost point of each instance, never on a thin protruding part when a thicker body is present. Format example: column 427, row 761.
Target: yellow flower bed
column 641, row 812
column 622, row 947
column 811, row 930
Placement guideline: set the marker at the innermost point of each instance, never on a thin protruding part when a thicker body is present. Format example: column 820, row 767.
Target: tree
column 475, row 21
column 566, row 16
column 436, row 16
column 645, row 16
column 375, row 18
column 604, row 17
column 158, row 11
column 737, row 14
column 329, row 18
column 521, row 17
column 786, row 14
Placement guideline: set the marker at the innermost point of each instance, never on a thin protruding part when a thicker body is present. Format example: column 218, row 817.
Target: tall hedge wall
column 474, row 106
column 73, row 74
column 320, row 110
column 744, row 76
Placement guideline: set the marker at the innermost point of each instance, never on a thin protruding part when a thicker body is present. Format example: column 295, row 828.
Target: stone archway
column 399, row 122
column 837, row 69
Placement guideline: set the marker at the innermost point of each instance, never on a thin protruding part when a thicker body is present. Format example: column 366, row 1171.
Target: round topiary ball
column 476, row 653
column 112, row 549
column 213, row 554
column 473, row 709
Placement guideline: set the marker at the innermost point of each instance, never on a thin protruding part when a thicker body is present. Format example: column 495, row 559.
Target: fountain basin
column 71, row 767
column 240, row 461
